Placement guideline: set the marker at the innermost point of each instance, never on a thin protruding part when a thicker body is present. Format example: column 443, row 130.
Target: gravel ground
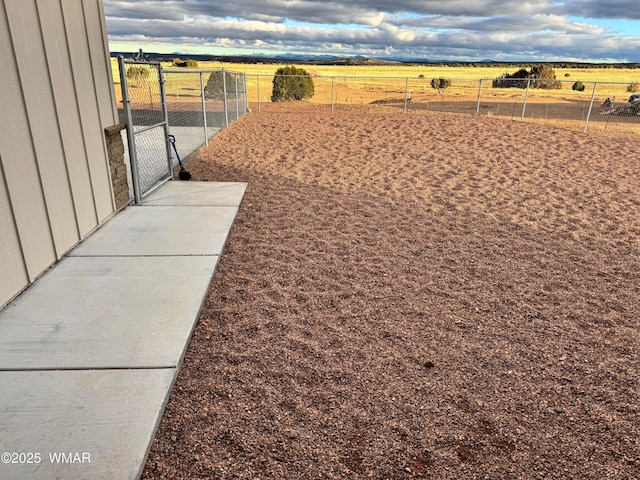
column 435, row 296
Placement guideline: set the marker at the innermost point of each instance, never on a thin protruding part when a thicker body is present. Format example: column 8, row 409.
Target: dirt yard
column 435, row 296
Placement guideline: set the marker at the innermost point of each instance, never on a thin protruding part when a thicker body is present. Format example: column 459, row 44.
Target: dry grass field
column 415, row 296
column 409, row 88
column 393, row 78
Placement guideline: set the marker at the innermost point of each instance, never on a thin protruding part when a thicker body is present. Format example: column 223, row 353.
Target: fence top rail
column 199, row 70
column 192, row 71
column 428, row 79
column 130, row 61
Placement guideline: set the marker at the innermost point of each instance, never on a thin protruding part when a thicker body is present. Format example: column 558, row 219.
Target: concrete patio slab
column 106, row 312
column 198, row 193
column 89, row 352
column 167, row 230
column 102, row 420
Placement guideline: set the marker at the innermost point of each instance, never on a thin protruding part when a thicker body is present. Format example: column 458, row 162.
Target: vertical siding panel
column 43, row 121
column 107, row 56
column 57, row 49
column 101, row 64
column 89, row 113
column 19, row 162
column 14, row 273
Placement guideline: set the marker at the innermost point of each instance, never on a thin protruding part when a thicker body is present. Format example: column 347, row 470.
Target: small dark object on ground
column 183, row 175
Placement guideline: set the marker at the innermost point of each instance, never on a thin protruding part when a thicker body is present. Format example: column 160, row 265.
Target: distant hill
column 285, row 58
column 355, row 60
column 360, row 61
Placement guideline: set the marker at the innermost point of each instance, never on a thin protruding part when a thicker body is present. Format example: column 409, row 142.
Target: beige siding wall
column 56, row 99
column 13, row 270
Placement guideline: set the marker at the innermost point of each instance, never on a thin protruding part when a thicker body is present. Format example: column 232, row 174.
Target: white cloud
column 453, row 29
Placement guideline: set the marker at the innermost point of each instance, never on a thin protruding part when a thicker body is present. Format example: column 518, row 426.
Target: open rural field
column 413, row 72
column 625, row 75
column 408, row 88
column 415, row 296
column 400, row 73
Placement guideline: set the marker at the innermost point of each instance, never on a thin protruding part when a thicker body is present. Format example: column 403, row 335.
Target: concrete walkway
column 89, row 353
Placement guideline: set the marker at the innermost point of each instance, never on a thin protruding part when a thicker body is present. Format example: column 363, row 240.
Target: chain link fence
column 202, row 102
column 588, row 106
column 144, row 112
column 191, row 105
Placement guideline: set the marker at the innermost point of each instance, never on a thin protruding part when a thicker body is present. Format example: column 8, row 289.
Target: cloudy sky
column 463, row 30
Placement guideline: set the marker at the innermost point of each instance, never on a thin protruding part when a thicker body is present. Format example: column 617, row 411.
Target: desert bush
column 137, row 73
column 292, row 83
column 177, row 62
column 519, row 79
column 214, row 90
column 544, row 76
column 540, row 76
column 633, row 88
column 441, row 85
column 578, row 87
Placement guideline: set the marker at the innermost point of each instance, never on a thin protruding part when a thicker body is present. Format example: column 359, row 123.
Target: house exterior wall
column 56, row 99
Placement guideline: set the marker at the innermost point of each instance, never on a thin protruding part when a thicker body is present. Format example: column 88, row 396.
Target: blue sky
column 457, row 30
column 619, row 26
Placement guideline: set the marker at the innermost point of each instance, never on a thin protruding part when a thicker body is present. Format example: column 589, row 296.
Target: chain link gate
column 145, row 111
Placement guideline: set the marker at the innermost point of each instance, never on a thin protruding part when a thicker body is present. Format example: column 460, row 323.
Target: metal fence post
column 593, row 96
column 224, row 92
column 258, row 82
column 479, row 92
column 526, row 95
column 237, row 102
column 165, row 116
column 126, row 105
column 204, row 110
column 406, row 93
column 333, row 97
column 246, row 94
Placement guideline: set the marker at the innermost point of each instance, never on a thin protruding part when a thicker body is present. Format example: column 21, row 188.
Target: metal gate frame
column 132, row 132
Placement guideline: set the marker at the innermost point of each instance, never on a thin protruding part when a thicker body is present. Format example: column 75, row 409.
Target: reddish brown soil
column 402, row 296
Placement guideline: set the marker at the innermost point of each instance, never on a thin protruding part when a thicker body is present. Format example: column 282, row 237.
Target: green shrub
column 291, row 83
column 519, row 79
column 544, row 76
column 540, row 76
column 214, row 90
column 440, row 84
column 578, row 87
column 177, row 62
column 137, row 73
